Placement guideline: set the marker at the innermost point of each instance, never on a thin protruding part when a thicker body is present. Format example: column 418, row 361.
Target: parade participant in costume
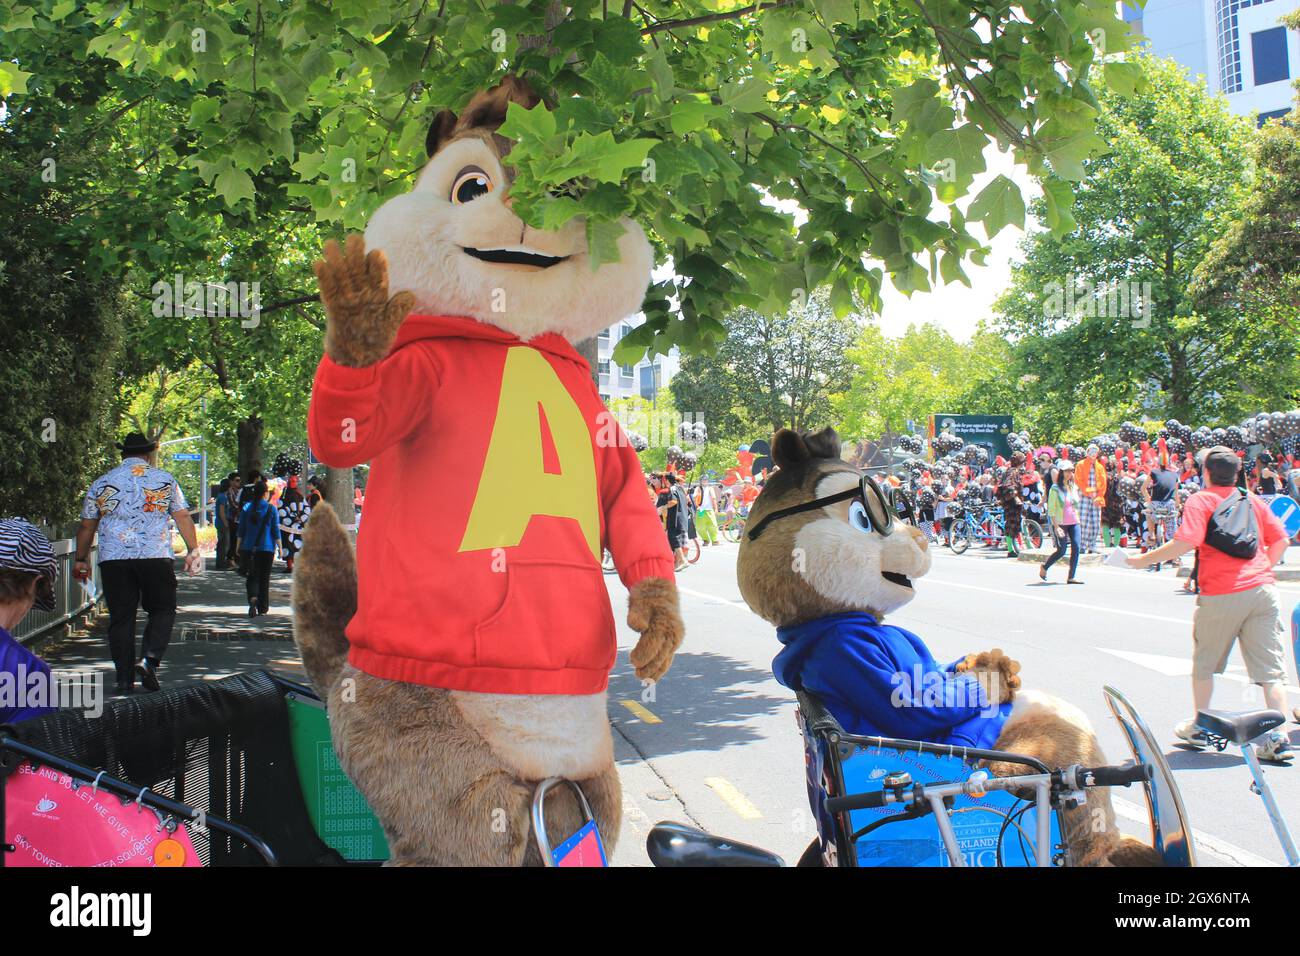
column 293, row 518
column 477, row 659
column 877, row 679
column 1159, row 489
column 1091, row 477
column 1009, row 496
column 1112, row 512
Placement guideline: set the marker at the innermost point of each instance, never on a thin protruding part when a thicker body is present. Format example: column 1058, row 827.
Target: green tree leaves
column 783, row 144
column 1103, row 313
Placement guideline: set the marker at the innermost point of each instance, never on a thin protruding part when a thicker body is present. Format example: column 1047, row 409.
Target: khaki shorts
column 1249, row 616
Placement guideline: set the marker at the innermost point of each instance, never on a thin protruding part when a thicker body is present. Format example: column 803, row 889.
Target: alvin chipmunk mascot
column 479, row 635
column 822, row 561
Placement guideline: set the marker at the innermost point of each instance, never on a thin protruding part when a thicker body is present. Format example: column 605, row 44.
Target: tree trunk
column 338, row 492
column 590, row 350
column 249, row 432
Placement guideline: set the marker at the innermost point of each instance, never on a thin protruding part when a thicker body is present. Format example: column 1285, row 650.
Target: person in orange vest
column 1091, row 477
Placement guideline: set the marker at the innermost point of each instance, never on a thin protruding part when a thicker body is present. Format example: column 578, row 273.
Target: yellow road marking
column 733, row 798
column 640, row 711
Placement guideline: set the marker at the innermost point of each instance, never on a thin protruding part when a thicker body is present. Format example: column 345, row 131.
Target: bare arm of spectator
column 85, row 535
column 185, row 525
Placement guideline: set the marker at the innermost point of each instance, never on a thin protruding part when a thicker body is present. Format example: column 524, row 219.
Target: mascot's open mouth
column 514, row 256
column 902, row 580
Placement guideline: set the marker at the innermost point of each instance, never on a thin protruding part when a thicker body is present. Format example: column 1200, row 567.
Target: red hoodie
column 490, row 582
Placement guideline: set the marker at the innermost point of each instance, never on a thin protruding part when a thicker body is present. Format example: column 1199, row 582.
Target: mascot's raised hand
column 361, row 321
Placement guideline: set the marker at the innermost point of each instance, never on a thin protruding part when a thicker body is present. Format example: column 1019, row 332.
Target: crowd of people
column 1131, row 499
column 1159, row 505
column 696, row 514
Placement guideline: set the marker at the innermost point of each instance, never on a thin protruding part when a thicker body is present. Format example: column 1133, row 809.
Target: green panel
column 339, row 812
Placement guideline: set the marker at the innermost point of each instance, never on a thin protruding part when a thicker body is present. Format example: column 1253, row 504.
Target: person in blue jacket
column 259, row 528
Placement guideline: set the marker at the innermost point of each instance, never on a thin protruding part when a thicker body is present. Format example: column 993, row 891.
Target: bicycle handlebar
column 1116, row 776
column 857, row 801
column 1120, row 776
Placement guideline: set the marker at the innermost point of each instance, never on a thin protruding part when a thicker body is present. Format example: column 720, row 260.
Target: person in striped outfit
column 1091, row 476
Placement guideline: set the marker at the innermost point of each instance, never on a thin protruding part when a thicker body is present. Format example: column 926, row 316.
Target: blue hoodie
column 882, row 681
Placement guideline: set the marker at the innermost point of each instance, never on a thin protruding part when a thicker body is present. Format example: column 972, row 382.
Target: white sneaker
column 1189, row 733
column 1275, row 748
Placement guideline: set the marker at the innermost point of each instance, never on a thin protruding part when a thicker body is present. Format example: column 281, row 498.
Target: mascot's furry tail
column 324, row 597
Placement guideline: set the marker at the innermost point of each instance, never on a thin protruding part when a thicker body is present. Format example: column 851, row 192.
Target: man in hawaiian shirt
column 131, row 507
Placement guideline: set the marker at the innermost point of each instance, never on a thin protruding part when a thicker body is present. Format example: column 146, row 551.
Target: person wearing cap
column 1238, row 602
column 1063, row 505
column 27, row 572
column 131, row 507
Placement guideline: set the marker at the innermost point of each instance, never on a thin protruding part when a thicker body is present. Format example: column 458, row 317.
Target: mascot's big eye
column 470, row 184
column 858, row 516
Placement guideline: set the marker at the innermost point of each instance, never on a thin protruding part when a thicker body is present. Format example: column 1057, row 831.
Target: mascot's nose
column 919, row 535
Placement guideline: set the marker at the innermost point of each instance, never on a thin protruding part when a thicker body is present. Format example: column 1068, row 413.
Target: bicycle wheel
column 1032, row 532
column 693, row 550
column 733, row 530
column 959, row 537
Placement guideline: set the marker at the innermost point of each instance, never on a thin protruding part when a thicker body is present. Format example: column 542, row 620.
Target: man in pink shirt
column 1238, row 600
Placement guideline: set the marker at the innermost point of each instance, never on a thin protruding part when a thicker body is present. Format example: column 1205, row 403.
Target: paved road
column 726, row 755
column 725, row 752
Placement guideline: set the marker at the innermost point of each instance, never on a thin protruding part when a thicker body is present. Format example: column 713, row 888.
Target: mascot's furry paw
column 653, row 609
column 361, row 320
column 998, row 674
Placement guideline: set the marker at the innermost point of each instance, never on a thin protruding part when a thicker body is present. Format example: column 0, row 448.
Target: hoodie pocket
column 555, row 615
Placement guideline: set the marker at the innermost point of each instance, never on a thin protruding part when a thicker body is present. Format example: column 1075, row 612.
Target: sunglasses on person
column 870, row 511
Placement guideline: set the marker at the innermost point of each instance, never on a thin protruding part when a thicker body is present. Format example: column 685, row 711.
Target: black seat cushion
column 1238, row 727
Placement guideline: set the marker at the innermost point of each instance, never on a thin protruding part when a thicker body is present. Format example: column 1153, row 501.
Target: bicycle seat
column 676, row 844
column 1238, row 727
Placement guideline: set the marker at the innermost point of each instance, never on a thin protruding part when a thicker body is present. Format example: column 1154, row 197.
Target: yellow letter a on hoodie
column 515, row 485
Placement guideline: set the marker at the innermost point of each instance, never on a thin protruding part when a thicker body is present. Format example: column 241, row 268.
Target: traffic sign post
column 187, row 456
column 1287, row 510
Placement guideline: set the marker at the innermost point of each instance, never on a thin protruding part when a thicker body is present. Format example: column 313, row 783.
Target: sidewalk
column 213, row 637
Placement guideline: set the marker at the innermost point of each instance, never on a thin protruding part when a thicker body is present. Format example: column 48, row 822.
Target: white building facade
column 1238, row 46
column 643, row 379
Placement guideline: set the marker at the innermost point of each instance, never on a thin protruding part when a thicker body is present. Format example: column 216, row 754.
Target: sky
column 954, row 307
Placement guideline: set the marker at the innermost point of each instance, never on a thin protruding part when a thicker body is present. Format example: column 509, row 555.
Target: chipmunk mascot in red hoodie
column 479, row 636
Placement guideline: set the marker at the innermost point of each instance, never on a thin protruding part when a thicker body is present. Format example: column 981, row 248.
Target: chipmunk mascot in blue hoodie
column 824, row 561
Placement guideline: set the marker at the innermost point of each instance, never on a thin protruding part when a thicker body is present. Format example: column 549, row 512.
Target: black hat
column 136, row 444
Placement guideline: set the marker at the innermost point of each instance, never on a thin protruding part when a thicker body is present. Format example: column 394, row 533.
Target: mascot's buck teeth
column 453, row 691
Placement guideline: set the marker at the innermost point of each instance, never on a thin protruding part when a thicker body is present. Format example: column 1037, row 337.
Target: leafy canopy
column 767, row 147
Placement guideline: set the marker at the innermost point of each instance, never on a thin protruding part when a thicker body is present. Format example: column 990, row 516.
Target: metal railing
column 70, row 597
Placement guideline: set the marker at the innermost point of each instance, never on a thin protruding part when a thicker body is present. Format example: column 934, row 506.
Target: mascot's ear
column 789, row 449
column 439, row 132
column 823, row 444
column 487, row 110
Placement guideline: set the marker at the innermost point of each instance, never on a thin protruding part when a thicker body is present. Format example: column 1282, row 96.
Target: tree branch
column 736, row 14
